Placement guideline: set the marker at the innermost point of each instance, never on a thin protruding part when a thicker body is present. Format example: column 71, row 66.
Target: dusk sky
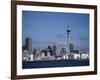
column 50, row 28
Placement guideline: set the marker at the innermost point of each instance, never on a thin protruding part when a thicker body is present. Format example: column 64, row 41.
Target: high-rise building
column 37, row 54
column 28, row 44
column 71, row 47
column 63, row 51
column 27, row 49
column 56, row 51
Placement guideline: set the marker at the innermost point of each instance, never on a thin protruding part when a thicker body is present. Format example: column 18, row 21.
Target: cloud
column 84, row 38
column 45, row 44
column 61, row 36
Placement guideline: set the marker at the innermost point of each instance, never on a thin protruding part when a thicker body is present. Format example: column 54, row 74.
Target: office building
column 71, row 47
column 56, row 51
column 28, row 44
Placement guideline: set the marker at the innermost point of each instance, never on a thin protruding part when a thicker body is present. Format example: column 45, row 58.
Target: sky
column 50, row 28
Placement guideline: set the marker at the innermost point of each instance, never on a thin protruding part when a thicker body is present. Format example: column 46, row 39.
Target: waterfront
column 54, row 63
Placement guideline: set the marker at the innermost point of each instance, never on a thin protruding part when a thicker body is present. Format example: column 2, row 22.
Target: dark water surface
column 54, row 63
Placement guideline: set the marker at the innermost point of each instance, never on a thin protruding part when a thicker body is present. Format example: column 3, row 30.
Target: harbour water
column 54, row 63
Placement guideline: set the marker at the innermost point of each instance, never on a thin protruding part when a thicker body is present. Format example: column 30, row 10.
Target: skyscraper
column 71, row 47
column 56, row 51
column 28, row 44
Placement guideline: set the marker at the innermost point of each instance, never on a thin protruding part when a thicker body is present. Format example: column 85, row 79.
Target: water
column 54, row 63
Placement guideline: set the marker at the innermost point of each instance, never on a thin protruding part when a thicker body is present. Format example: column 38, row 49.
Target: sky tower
column 68, row 39
column 67, row 55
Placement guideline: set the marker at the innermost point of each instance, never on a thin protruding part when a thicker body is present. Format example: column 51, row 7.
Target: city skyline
column 52, row 52
column 50, row 28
